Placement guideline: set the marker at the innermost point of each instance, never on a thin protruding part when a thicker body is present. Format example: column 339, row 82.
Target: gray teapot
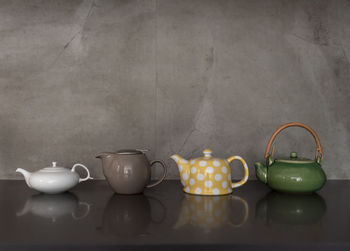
column 129, row 171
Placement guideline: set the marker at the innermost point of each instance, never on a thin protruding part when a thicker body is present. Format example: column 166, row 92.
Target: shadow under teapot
column 129, row 215
column 54, row 206
column 291, row 209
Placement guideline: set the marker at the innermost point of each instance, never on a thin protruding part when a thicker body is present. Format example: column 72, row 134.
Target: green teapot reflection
column 289, row 209
column 293, row 175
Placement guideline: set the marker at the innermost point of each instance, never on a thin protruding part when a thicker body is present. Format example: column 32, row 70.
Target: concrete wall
column 174, row 76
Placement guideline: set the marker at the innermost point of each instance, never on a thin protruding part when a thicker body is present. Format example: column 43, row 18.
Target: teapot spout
column 26, row 175
column 261, row 172
column 184, row 168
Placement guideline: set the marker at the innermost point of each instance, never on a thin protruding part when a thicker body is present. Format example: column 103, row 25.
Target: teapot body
column 127, row 174
column 54, row 179
column 208, row 175
column 129, row 171
column 53, row 182
column 295, row 178
column 294, row 174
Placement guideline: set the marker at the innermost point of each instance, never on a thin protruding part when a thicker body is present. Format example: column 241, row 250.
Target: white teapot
column 54, row 179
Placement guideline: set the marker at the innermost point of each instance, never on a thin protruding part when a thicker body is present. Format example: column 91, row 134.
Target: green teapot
column 293, row 175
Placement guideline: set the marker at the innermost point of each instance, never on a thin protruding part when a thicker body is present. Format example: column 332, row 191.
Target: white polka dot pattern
column 198, row 190
column 216, row 163
column 224, row 184
column 209, row 169
column 200, row 176
column 216, row 191
column 208, row 184
column 208, row 176
column 224, row 169
column 192, row 182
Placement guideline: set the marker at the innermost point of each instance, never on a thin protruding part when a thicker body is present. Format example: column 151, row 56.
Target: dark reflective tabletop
column 91, row 215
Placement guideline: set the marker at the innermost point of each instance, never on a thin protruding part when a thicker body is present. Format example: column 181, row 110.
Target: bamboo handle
column 317, row 140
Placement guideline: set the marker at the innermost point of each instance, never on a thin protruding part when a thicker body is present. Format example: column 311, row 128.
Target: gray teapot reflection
column 208, row 212
column 130, row 215
column 55, row 206
column 291, row 209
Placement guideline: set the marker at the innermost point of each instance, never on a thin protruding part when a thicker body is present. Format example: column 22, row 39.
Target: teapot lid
column 131, row 151
column 53, row 168
column 293, row 158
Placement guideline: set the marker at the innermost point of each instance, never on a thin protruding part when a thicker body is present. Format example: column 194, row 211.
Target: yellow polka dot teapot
column 208, row 175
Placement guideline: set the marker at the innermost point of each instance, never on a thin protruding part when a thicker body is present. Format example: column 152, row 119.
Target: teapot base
column 211, row 192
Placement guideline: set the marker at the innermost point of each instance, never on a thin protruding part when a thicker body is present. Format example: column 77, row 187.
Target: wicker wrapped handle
column 317, row 140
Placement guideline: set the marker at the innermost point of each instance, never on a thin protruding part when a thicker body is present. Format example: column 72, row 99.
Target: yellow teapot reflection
column 208, row 212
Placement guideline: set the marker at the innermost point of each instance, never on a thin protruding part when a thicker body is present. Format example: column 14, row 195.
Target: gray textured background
column 175, row 76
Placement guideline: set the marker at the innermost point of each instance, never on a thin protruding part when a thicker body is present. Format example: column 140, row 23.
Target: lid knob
column 293, row 155
column 207, row 152
column 54, row 164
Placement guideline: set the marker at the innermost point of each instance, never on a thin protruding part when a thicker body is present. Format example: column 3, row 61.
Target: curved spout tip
column 26, row 175
column 174, row 157
column 261, row 172
column 183, row 166
column 177, row 158
column 22, row 171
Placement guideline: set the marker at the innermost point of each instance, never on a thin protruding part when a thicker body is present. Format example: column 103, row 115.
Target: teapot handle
column 165, row 168
column 88, row 177
column 246, row 171
column 319, row 152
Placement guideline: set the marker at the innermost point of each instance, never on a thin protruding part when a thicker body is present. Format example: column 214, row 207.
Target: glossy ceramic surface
column 129, row 171
column 293, row 175
column 54, row 179
column 208, row 175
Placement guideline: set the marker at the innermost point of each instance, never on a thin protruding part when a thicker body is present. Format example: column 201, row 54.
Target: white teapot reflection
column 55, row 206
column 209, row 212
